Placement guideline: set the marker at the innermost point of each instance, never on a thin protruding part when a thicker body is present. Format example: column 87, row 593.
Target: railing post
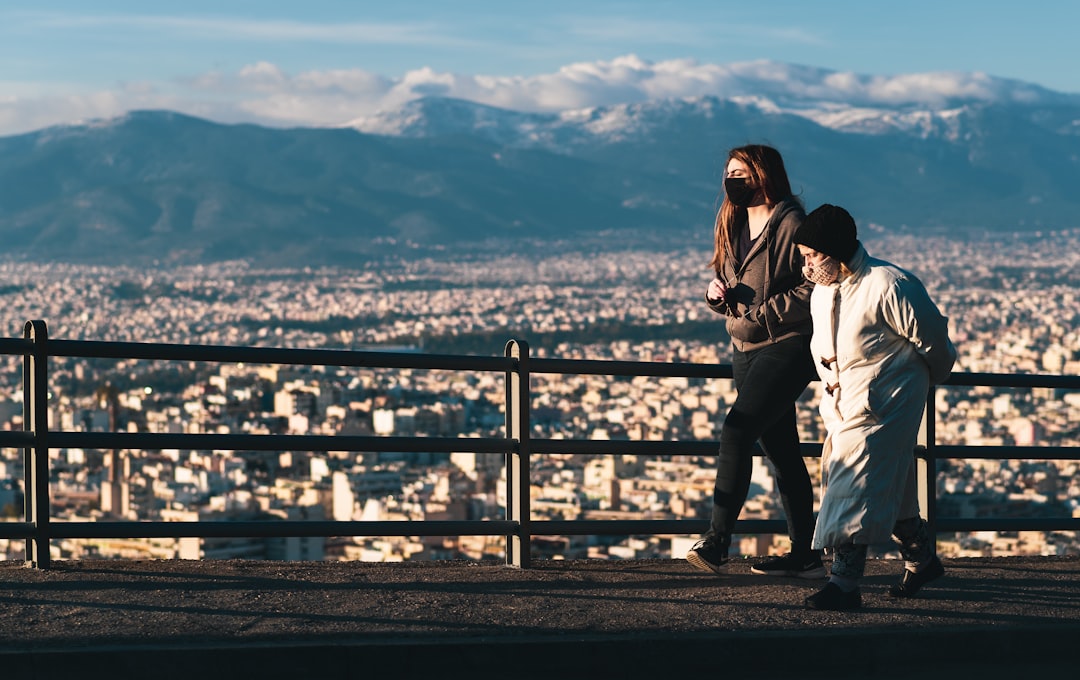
column 926, row 463
column 36, row 457
column 518, row 553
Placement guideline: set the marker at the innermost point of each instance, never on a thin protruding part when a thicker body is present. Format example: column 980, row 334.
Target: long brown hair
column 767, row 172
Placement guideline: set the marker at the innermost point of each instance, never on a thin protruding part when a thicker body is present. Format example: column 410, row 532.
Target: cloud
column 653, row 31
column 254, row 30
column 23, row 114
column 264, row 93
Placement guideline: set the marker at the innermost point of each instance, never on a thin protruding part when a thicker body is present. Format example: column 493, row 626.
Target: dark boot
column 912, row 581
column 833, row 598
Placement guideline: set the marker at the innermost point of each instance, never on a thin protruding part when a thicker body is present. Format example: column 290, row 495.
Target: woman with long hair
column 760, row 289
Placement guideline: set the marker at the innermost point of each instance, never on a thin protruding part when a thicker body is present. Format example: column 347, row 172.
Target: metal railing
column 517, row 446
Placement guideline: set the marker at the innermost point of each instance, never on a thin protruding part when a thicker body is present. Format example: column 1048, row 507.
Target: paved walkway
column 1001, row 617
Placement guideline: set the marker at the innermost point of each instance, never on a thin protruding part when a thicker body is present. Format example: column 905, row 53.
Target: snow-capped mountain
column 920, row 104
column 963, row 152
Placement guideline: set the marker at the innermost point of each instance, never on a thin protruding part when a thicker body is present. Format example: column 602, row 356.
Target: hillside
column 160, row 186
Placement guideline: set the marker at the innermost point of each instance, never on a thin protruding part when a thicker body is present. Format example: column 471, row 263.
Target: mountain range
column 439, row 173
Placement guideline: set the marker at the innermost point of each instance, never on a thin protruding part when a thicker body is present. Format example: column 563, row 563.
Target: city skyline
column 233, row 304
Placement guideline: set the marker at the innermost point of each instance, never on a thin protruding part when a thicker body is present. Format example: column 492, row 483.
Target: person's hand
column 717, row 292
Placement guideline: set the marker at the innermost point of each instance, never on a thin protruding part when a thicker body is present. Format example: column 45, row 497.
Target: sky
column 327, row 62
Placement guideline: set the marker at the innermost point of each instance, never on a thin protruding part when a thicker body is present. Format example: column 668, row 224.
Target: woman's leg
column 913, row 539
column 734, row 462
column 733, row 469
column 921, row 563
column 849, row 563
column 768, row 381
column 781, row 444
column 841, row 593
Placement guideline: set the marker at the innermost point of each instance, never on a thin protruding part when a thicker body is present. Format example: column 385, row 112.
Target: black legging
column 768, row 381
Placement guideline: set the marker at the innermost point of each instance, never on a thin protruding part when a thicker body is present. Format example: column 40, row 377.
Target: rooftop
column 987, row 618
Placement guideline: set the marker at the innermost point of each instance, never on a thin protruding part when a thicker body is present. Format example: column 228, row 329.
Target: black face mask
column 739, row 191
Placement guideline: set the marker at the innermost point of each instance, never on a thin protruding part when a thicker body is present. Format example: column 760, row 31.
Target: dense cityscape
column 1012, row 301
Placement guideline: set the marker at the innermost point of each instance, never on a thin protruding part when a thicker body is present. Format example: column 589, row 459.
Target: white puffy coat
column 890, row 344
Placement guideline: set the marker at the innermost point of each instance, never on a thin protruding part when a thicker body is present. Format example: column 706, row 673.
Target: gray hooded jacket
column 768, row 299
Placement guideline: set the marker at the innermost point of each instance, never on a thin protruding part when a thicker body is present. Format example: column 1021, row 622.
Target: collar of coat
column 857, row 264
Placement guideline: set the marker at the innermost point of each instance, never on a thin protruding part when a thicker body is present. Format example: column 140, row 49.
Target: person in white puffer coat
column 879, row 342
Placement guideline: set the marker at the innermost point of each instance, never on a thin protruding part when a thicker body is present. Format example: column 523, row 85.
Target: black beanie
column 829, row 229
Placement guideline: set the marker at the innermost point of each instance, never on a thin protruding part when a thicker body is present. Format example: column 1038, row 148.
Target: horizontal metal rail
column 630, row 368
column 88, row 349
column 16, row 346
column 1007, row 524
column 18, row 530
column 277, row 529
column 517, row 447
column 947, row 452
column 155, row 441
column 1067, row 382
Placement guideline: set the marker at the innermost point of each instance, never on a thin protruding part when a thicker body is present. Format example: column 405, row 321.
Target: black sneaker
column 832, row 598
column 709, row 555
column 788, row 565
column 912, row 581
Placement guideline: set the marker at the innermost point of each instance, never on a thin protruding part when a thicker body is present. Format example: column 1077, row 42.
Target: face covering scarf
column 823, row 273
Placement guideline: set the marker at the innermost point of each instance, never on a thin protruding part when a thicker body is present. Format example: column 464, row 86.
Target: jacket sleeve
column 790, row 307
column 719, row 307
column 909, row 311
